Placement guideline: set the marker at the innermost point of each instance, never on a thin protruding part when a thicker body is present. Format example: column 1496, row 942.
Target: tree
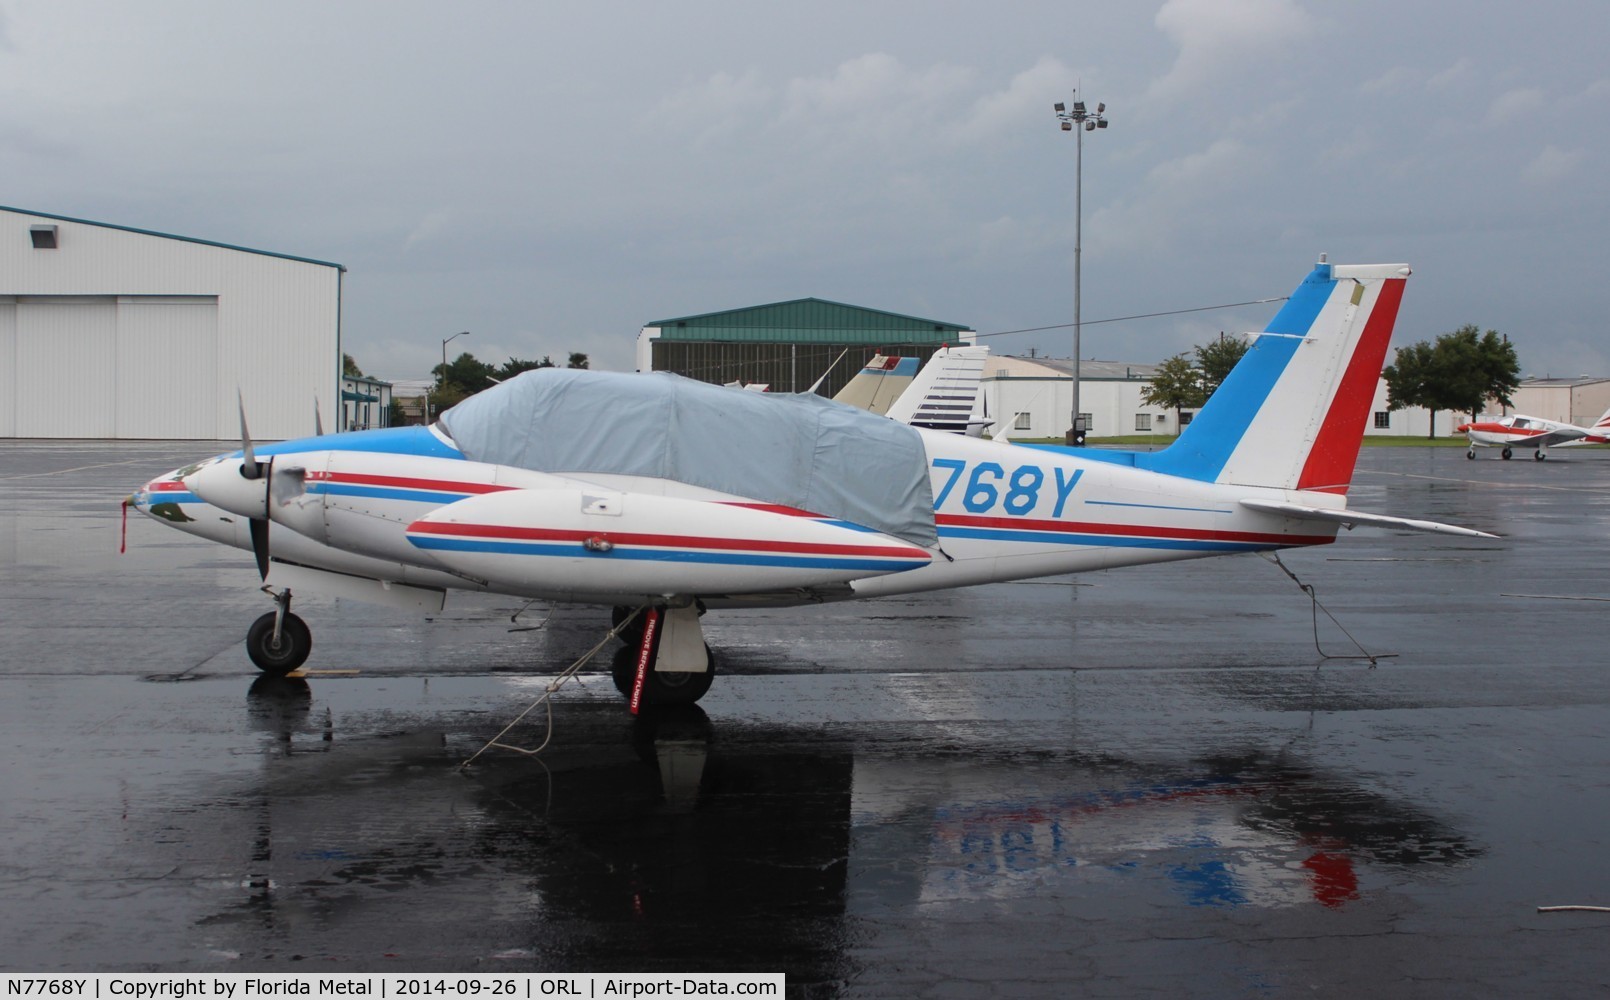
column 350, row 368
column 515, row 366
column 577, row 360
column 463, row 376
column 1217, row 358
column 1501, row 369
column 1408, row 379
column 1459, row 372
column 1176, row 385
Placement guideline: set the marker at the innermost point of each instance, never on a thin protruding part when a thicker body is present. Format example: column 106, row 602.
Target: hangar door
column 132, row 366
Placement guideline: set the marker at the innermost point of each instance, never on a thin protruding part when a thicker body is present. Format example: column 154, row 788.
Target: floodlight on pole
column 1078, row 121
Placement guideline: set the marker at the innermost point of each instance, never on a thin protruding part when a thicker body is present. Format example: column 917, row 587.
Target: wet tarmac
column 1141, row 781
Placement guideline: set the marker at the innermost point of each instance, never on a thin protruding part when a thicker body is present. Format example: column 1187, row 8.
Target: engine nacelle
column 604, row 541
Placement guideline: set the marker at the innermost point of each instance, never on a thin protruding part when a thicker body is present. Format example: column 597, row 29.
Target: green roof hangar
column 789, row 345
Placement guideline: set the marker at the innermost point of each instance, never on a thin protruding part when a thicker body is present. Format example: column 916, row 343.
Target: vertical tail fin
column 1292, row 412
column 946, row 392
column 1599, row 433
column 879, row 383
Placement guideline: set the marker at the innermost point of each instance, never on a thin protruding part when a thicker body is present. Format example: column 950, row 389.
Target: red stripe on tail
column 1329, row 468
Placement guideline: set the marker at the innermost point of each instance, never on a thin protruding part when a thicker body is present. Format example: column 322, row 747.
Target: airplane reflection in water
column 671, row 842
column 1236, row 831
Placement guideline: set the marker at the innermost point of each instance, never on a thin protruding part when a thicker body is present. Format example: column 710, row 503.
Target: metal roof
column 803, row 321
column 1549, row 381
column 170, row 236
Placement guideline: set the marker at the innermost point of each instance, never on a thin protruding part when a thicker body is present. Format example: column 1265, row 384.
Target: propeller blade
column 318, row 420
column 248, row 465
column 259, row 529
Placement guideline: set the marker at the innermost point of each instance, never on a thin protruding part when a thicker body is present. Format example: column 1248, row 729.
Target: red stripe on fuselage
column 1330, row 463
column 509, row 533
column 1519, row 433
column 1133, row 530
column 770, row 508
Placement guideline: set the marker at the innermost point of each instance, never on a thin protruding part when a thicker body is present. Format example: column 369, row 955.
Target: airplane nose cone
column 221, row 484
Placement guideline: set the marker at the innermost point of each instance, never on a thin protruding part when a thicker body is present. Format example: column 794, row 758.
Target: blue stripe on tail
column 1207, row 442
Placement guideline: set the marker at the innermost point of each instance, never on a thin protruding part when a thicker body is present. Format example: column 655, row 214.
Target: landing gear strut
column 680, row 665
column 279, row 641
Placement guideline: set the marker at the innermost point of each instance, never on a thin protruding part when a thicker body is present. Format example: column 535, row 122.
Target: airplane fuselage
column 403, row 506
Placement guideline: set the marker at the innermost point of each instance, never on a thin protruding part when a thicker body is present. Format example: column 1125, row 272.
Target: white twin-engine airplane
column 1531, row 432
column 659, row 493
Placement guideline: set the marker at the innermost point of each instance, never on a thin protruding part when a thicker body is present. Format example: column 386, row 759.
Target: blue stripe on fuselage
column 385, row 493
column 1111, row 541
column 658, row 555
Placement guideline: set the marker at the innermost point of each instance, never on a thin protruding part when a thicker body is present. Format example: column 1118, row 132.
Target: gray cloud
column 551, row 177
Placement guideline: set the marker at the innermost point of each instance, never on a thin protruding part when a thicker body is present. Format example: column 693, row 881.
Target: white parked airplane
column 1531, row 432
column 657, row 492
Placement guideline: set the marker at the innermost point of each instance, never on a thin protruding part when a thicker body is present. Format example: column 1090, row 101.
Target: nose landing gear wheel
column 279, row 658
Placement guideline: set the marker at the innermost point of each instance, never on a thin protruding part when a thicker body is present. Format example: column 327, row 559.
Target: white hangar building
column 1035, row 394
column 113, row 332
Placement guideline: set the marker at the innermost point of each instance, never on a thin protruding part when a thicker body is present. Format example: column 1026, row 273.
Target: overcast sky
column 553, row 176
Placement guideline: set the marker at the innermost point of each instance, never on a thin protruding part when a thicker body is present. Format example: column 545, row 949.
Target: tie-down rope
column 547, row 695
column 1308, row 588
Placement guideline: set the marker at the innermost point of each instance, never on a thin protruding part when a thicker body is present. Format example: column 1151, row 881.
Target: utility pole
column 461, row 333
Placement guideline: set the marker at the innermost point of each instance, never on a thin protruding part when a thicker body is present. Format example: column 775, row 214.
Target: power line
column 1123, row 319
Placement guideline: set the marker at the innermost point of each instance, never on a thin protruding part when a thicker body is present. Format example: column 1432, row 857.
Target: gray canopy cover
column 799, row 450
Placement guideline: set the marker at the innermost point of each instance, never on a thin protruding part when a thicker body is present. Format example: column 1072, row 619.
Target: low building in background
column 365, row 403
column 789, row 346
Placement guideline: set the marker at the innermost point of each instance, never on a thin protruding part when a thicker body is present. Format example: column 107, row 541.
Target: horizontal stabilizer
column 1353, row 518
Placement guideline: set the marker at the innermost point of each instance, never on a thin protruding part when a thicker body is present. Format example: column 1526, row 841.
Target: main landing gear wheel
column 1540, row 456
column 1508, row 454
column 662, row 687
column 1471, row 453
column 289, row 652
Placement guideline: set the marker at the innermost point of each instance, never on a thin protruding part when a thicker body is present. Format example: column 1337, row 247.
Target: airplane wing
column 1353, row 518
column 1558, row 436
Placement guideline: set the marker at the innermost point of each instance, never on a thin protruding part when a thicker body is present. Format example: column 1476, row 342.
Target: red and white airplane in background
column 1531, row 432
column 669, row 497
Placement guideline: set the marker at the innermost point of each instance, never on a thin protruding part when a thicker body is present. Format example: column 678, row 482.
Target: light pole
column 461, row 333
column 1078, row 121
